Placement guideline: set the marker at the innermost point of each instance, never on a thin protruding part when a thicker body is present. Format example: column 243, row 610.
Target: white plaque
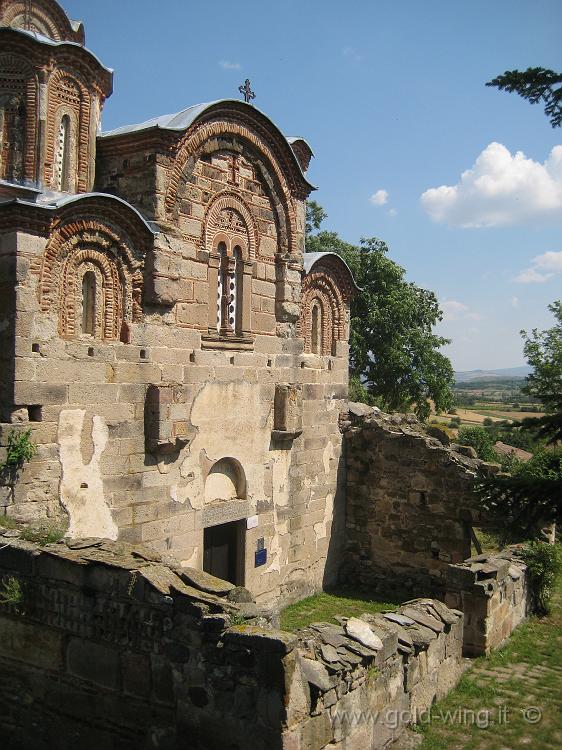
column 252, row 522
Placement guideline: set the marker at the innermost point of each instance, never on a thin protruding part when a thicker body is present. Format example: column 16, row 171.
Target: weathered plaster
column 81, row 487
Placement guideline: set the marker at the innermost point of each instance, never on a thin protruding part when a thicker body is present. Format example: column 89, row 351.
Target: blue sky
column 391, row 97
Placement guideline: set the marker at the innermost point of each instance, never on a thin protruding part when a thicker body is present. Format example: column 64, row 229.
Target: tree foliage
column 543, row 351
column 528, row 499
column 481, row 439
column 531, row 496
column 535, row 85
column 394, row 352
column 315, row 215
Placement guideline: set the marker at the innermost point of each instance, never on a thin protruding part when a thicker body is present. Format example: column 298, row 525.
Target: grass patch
column 486, row 711
column 489, row 541
column 344, row 601
column 7, row 522
column 39, row 533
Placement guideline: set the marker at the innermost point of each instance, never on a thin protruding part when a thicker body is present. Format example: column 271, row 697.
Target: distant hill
column 505, row 372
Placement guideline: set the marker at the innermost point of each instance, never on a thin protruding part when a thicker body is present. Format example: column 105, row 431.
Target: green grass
column 526, row 672
column 489, row 541
column 322, row 607
column 41, row 533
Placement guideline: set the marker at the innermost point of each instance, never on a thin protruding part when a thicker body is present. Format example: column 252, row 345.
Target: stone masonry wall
column 409, row 503
column 110, row 646
column 84, row 401
column 493, row 592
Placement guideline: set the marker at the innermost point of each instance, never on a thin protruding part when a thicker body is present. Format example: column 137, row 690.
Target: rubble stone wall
column 409, row 503
column 111, row 646
column 493, row 593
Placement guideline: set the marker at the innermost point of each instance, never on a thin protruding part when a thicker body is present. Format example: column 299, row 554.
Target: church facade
column 180, row 361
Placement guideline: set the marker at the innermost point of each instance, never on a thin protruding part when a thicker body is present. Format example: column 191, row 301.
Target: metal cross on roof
column 247, row 91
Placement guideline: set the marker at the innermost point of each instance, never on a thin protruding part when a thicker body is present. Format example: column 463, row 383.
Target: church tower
column 52, row 90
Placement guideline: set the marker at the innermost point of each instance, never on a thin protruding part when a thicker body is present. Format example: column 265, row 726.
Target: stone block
column 34, row 644
column 93, row 662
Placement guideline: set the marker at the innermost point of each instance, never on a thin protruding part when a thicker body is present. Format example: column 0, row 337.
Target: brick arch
column 212, row 227
column 68, row 94
column 320, row 289
column 18, row 77
column 204, row 138
column 87, row 241
column 45, row 16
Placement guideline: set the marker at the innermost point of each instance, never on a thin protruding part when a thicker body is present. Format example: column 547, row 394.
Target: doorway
column 223, row 555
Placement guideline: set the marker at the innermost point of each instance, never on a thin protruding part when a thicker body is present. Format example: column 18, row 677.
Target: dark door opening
column 224, row 552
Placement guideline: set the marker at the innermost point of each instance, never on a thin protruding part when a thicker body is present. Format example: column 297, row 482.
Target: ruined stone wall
column 493, row 592
column 409, row 503
column 109, row 645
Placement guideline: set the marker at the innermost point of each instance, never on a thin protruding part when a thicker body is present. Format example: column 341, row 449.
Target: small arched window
column 316, row 333
column 62, row 162
column 89, row 303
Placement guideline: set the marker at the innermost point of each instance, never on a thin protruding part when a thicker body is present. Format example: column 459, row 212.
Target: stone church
column 181, row 362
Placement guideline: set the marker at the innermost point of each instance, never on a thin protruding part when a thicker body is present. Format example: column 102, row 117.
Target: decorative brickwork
column 74, row 250
column 326, row 292
column 18, row 94
column 228, row 214
column 40, row 84
column 203, row 138
column 45, row 17
column 68, row 96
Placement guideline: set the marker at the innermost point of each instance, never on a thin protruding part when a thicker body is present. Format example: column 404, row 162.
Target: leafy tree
column 543, row 351
column 531, row 496
column 394, row 352
column 315, row 215
column 481, row 440
column 535, row 85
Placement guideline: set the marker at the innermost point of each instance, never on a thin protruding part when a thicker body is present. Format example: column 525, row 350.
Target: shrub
column 488, row 422
column 20, row 449
column 544, row 562
column 481, row 440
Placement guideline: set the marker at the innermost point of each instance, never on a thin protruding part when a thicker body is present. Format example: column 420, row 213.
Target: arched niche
column 225, row 481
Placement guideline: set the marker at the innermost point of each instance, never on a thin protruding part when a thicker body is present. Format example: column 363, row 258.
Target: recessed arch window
column 231, row 254
column 89, row 303
column 316, row 332
column 63, row 160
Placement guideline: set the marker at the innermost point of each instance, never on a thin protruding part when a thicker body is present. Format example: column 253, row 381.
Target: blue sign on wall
column 261, row 557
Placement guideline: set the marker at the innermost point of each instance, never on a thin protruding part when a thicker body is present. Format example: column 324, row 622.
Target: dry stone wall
column 113, row 646
column 410, row 503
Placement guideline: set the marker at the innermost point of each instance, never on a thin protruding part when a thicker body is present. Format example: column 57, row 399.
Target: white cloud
column 543, row 267
column 514, row 301
column 454, row 310
column 500, row 189
column 379, row 198
column 392, row 212
column 352, row 54
column 228, row 65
